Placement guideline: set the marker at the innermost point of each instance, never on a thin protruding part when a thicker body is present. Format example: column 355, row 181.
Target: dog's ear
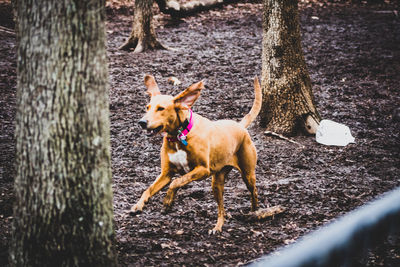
column 152, row 87
column 187, row 98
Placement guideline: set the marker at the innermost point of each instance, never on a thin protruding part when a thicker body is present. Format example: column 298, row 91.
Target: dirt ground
column 353, row 55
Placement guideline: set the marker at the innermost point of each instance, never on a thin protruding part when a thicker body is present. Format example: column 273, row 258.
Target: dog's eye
column 147, row 107
column 160, row 109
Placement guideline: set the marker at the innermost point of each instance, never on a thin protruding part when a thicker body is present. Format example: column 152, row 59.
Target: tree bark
column 288, row 102
column 63, row 213
column 143, row 35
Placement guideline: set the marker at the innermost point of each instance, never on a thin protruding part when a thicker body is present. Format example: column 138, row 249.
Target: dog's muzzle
column 143, row 123
column 150, row 131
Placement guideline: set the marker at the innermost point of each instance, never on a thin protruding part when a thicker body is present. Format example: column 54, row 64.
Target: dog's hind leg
column 217, row 184
column 249, row 179
column 247, row 158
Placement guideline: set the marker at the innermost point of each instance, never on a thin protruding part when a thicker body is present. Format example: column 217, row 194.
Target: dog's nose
column 143, row 123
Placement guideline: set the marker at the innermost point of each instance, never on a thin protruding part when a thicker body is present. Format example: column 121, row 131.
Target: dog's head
column 162, row 110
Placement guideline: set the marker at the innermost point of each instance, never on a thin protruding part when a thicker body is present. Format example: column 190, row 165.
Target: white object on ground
column 331, row 133
column 174, row 80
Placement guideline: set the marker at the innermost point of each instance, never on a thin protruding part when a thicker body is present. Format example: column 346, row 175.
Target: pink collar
column 183, row 130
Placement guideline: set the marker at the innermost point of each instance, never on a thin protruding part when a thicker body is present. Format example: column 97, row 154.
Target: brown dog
column 196, row 147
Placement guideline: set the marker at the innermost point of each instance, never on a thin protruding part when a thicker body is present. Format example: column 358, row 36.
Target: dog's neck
column 184, row 126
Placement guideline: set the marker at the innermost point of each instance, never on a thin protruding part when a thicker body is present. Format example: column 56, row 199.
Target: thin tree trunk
column 63, row 213
column 143, row 35
column 288, row 102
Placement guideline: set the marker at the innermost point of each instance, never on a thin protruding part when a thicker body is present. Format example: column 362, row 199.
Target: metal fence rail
column 338, row 242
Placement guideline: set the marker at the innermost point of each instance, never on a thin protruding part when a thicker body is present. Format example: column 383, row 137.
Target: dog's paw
column 215, row 230
column 167, row 207
column 136, row 209
column 166, row 210
column 169, row 199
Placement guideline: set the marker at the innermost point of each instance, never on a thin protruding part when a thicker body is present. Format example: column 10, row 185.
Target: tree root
column 175, row 9
column 138, row 45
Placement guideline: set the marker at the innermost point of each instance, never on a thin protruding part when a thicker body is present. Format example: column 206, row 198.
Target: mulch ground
column 353, row 55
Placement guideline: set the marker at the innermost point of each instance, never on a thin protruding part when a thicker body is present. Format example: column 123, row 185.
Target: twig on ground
column 7, row 30
column 283, row 137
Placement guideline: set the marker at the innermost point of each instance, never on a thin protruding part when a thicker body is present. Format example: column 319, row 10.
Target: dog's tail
column 255, row 109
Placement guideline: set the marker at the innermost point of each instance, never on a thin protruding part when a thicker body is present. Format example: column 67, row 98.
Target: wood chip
column 268, row 212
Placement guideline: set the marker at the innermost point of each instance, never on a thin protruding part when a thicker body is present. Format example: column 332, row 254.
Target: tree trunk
column 288, row 103
column 63, row 213
column 143, row 35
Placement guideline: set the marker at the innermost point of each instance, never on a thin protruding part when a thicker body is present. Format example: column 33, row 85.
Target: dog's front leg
column 197, row 173
column 161, row 181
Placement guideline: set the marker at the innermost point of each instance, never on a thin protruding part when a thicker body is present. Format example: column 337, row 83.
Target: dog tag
column 182, row 139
